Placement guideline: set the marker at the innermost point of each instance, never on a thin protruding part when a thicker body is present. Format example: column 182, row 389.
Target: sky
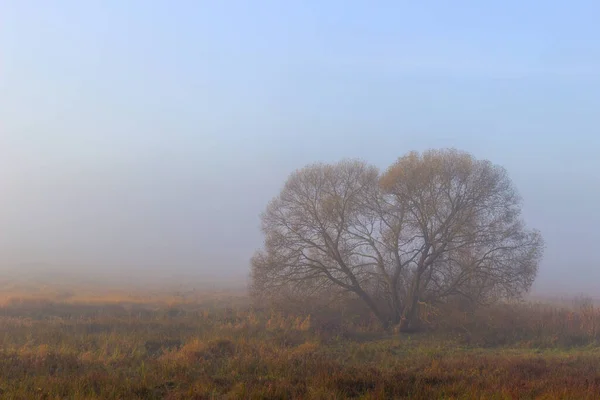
column 149, row 135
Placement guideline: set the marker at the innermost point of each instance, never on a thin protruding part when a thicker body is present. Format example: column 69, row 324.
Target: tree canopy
column 433, row 226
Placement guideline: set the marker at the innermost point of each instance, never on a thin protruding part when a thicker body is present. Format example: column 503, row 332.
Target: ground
column 65, row 344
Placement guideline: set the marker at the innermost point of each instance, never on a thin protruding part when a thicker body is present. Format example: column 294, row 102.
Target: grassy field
column 58, row 343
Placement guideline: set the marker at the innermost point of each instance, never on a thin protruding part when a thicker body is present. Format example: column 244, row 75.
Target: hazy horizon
column 150, row 136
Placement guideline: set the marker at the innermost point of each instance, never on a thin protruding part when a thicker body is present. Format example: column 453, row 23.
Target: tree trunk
column 395, row 304
column 374, row 309
column 410, row 318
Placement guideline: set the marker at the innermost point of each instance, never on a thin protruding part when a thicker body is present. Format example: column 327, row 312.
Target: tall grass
column 219, row 347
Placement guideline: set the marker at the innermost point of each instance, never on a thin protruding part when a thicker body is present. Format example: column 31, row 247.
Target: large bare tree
column 435, row 225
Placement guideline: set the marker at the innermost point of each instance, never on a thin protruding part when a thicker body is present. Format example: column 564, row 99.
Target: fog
column 144, row 139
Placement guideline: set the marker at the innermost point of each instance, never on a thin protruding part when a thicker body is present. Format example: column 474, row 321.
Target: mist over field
column 144, row 145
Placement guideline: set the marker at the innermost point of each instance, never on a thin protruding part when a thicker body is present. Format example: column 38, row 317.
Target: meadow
column 58, row 342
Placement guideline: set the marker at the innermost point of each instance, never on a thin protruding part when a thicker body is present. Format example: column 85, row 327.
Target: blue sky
column 152, row 133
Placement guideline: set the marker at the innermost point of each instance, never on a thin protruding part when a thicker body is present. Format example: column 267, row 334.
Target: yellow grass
column 119, row 344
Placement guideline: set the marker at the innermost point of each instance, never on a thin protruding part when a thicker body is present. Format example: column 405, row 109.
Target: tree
column 433, row 226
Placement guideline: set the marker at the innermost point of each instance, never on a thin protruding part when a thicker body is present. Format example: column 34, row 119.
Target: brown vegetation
column 56, row 349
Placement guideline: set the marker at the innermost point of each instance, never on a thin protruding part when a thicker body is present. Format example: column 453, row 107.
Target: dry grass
column 87, row 346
